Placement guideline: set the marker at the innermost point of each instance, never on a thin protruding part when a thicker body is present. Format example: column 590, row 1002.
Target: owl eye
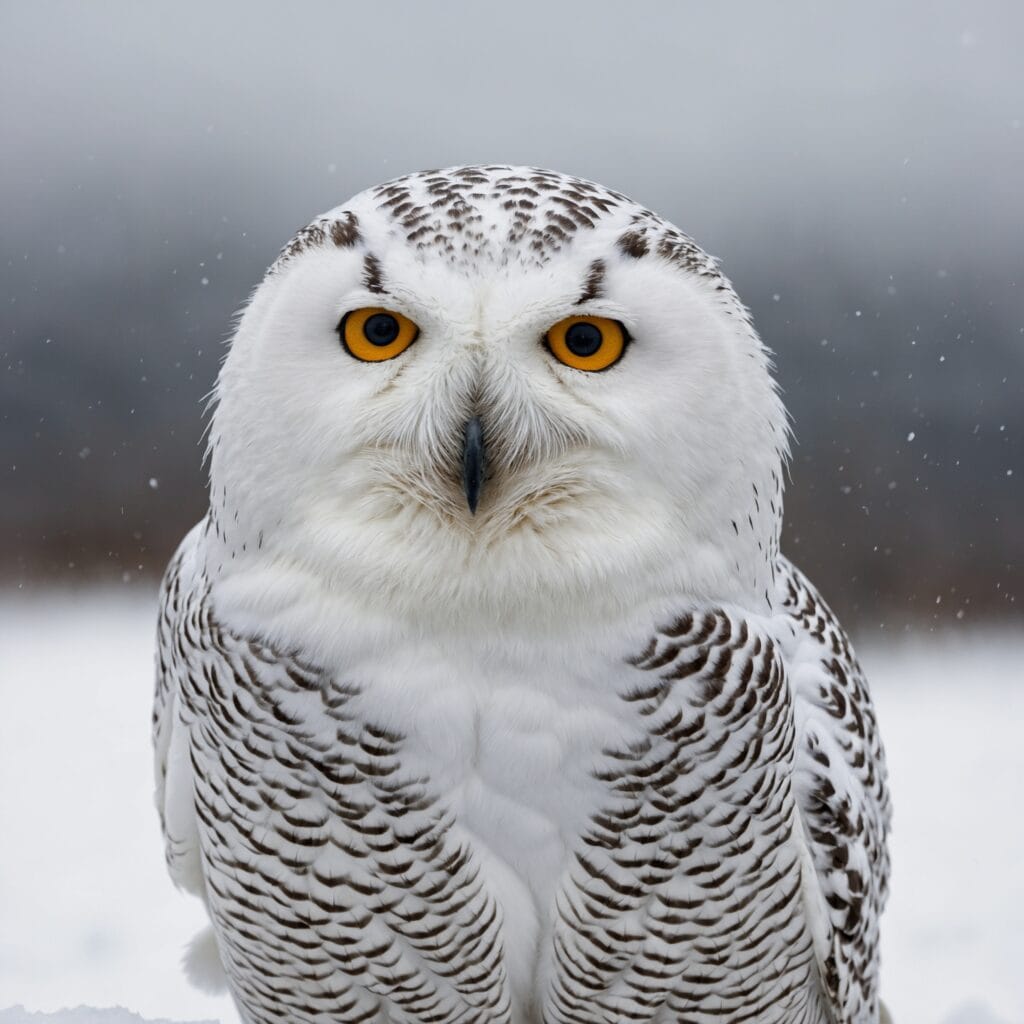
column 374, row 334
column 587, row 342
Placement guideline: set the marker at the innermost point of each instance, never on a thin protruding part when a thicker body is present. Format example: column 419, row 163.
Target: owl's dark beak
column 473, row 462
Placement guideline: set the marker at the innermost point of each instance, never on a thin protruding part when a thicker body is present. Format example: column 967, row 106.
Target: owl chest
column 450, row 819
column 413, row 814
column 511, row 749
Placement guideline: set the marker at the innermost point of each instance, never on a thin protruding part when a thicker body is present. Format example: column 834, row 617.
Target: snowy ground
column 87, row 915
column 76, row 1015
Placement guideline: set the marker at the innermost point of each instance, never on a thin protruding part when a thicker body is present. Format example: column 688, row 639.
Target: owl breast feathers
column 483, row 691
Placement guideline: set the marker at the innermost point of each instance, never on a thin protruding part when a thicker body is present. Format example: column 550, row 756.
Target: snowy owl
column 484, row 693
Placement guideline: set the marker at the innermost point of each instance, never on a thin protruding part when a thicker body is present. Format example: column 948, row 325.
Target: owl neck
column 322, row 569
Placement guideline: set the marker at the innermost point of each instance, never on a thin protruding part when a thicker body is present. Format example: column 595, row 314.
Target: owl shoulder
column 841, row 788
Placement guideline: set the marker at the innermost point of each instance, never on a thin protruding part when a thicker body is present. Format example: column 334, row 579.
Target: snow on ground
column 88, row 915
column 78, row 1015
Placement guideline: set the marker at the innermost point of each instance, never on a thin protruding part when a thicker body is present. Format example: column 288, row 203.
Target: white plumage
column 593, row 753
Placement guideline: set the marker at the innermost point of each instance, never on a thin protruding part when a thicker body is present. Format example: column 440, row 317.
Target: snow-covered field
column 88, row 916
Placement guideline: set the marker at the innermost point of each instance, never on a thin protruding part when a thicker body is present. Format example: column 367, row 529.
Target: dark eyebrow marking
column 593, row 287
column 372, row 278
column 345, row 230
column 632, row 243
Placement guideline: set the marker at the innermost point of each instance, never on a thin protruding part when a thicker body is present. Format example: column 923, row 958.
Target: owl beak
column 473, row 462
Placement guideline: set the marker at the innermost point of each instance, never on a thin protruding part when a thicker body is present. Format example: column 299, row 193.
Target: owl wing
column 842, row 796
column 314, row 837
column 175, row 799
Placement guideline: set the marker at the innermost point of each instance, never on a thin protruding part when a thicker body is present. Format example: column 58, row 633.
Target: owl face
column 486, row 384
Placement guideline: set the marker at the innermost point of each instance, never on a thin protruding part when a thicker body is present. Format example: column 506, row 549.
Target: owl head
column 498, row 389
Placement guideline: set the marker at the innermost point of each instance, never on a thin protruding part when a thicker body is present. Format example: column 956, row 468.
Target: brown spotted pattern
column 684, row 903
column 497, row 215
column 341, row 231
column 467, row 214
column 336, row 887
column 842, row 791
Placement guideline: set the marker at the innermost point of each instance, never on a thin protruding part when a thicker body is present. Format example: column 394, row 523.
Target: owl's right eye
column 588, row 343
column 373, row 334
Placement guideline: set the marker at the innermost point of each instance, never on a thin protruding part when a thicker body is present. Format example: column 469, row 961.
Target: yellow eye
column 374, row 334
column 587, row 342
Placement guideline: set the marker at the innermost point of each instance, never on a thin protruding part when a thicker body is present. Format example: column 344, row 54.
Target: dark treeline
column 874, row 225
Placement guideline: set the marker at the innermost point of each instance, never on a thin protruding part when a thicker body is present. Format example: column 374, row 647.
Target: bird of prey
column 484, row 694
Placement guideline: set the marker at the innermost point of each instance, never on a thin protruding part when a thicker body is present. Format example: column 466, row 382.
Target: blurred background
column 859, row 173
column 857, row 168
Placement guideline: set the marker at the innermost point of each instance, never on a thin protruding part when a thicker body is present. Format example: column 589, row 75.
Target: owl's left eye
column 587, row 342
column 373, row 334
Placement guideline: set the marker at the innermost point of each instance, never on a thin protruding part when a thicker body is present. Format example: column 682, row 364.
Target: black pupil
column 381, row 329
column 583, row 339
